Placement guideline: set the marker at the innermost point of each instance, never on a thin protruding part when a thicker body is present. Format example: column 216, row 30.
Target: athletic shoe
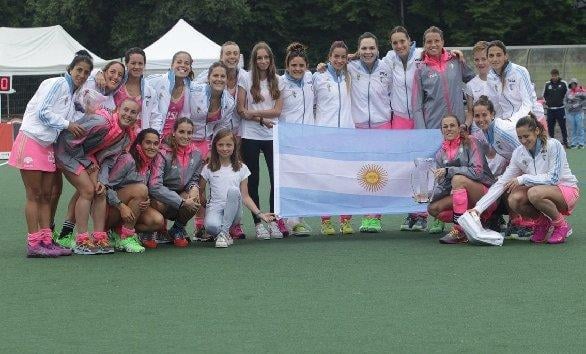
column 540, row 232
column 301, row 230
column 282, row 227
column 580, row 146
column 199, row 234
column 261, row 232
column 408, row 223
column 222, row 240
column 38, row 250
column 102, row 243
column 559, row 233
column 376, row 225
column 437, row 226
column 274, row 230
column 162, row 236
column 179, row 234
column 147, row 239
column 327, row 228
column 236, row 232
column 131, row 245
column 516, row 232
column 420, row 224
column 49, row 244
column 365, row 225
column 67, row 241
column 84, row 245
column 346, row 227
column 455, row 236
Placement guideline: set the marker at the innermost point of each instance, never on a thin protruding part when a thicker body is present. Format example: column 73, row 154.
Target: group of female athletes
column 140, row 151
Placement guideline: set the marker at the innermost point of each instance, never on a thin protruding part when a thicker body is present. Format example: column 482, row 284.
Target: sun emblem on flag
column 372, row 177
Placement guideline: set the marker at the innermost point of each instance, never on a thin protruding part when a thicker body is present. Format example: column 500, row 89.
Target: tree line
column 109, row 27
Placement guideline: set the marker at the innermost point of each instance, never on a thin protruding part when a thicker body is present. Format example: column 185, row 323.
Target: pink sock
column 325, row 218
column 520, row 221
column 459, row 202
column 446, row 216
column 35, row 238
column 199, row 223
column 345, row 218
column 126, row 232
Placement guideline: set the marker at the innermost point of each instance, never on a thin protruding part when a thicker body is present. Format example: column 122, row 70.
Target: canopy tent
column 38, row 50
column 182, row 37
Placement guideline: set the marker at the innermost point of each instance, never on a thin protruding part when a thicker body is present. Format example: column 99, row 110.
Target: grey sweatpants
column 220, row 220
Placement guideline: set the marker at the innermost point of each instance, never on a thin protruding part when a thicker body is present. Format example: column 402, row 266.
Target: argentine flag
column 336, row 171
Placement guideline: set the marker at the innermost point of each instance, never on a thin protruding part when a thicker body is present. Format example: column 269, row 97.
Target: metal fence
column 539, row 60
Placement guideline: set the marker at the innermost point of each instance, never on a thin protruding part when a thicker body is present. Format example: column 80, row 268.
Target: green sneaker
column 54, row 236
column 365, row 224
column 301, row 230
column 346, row 227
column 67, row 241
column 376, row 225
column 115, row 240
column 436, row 227
column 130, row 245
column 327, row 228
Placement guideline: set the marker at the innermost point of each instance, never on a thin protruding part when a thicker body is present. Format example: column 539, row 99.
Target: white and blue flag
column 336, row 171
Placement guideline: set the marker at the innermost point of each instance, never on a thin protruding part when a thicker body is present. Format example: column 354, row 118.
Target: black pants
column 250, row 156
column 557, row 115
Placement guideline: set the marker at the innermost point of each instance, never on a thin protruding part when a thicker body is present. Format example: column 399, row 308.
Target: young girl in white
column 539, row 182
column 228, row 180
column 259, row 105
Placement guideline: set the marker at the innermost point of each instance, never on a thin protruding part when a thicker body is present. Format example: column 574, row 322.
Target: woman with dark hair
column 49, row 111
column 128, row 195
column 509, row 86
column 172, row 93
column 539, row 181
column 463, row 176
column 174, row 179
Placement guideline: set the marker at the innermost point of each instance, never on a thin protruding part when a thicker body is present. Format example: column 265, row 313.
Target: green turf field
column 391, row 292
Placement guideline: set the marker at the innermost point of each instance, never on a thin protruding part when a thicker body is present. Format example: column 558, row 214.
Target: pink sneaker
column 48, row 243
column 282, row 227
column 559, row 234
column 236, row 232
column 36, row 249
column 540, row 230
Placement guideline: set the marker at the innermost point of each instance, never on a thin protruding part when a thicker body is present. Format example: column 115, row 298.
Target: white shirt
column 252, row 129
column 220, row 181
column 297, row 100
column 476, row 88
column 332, row 100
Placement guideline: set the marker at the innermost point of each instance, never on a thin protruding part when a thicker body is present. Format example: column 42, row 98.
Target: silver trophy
column 423, row 179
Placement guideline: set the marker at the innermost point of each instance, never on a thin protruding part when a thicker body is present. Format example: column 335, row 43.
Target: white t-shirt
column 476, row 88
column 219, row 182
column 252, row 129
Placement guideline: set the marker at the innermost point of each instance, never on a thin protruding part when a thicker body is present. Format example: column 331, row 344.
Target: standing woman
column 172, row 93
column 259, row 105
column 212, row 108
column 509, row 86
column 107, row 81
column 463, row 177
column 437, row 84
column 371, row 100
column 108, row 135
column 540, row 183
column 298, row 98
column 174, row 179
column 129, row 209
column 49, row 111
column 333, row 108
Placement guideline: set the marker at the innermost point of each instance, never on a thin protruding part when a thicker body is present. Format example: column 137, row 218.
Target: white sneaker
column 229, row 239
column 222, row 241
column 262, row 233
column 274, row 230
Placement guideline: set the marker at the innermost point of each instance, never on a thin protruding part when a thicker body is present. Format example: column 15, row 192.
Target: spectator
column 554, row 93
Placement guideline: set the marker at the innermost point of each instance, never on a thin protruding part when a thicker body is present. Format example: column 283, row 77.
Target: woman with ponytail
column 539, row 183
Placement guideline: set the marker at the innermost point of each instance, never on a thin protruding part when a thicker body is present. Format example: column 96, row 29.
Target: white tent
column 182, row 37
column 38, row 50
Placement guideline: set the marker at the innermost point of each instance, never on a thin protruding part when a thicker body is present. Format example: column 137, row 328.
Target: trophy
column 423, row 179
